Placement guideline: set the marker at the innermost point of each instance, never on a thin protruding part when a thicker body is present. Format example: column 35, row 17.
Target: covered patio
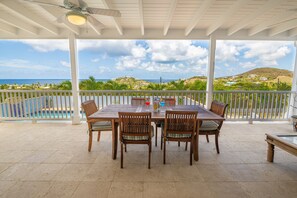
column 51, row 160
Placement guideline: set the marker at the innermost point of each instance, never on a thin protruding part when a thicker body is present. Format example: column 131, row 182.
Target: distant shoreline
column 57, row 81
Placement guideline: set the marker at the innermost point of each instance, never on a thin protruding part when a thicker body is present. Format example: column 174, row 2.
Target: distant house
column 252, row 76
column 230, row 83
column 263, row 78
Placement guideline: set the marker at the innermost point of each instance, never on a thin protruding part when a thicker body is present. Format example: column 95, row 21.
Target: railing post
column 210, row 71
column 74, row 79
column 252, row 109
column 292, row 109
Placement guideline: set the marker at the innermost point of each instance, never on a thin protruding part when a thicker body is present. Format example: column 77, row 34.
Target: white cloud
column 65, row 63
column 174, row 50
column 47, row 45
column 166, row 56
column 95, row 60
column 103, row 69
column 227, row 50
column 138, row 52
column 113, row 47
column 267, row 53
column 247, row 64
column 128, row 62
column 108, row 47
column 263, row 53
column 22, row 64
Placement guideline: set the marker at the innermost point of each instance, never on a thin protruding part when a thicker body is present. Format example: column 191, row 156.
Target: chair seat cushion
column 101, row 126
column 177, row 135
column 209, row 126
column 137, row 138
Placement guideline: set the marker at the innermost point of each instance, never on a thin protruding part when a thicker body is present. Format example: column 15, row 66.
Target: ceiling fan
column 79, row 14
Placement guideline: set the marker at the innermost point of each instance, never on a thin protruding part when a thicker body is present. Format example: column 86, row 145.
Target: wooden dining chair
column 169, row 101
column 180, row 126
column 89, row 108
column 137, row 101
column 159, row 124
column 213, row 127
column 136, row 128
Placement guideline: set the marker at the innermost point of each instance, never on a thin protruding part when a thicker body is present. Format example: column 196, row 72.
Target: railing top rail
column 253, row 91
column 34, row 91
column 141, row 91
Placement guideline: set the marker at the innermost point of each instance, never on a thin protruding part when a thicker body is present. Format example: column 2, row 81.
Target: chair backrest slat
column 89, row 107
column 169, row 101
column 135, row 123
column 137, row 101
column 218, row 108
column 180, row 122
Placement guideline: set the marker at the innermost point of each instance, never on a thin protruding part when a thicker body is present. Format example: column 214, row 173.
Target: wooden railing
column 57, row 105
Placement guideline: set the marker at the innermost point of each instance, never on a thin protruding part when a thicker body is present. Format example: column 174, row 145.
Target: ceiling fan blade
column 43, row 3
column 95, row 22
column 284, row 21
column 83, row 5
column 107, row 12
column 68, row 4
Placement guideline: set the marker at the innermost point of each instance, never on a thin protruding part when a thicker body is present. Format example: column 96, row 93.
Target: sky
column 143, row 59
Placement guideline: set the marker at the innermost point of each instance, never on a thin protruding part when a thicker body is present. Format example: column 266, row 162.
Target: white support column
column 210, row 70
column 292, row 111
column 74, row 79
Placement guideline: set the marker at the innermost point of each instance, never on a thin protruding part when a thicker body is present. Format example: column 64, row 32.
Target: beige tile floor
column 51, row 160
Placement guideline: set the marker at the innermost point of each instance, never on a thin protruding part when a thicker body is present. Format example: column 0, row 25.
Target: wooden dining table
column 110, row 113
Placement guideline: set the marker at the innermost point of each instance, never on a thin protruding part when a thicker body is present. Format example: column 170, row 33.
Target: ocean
column 57, row 81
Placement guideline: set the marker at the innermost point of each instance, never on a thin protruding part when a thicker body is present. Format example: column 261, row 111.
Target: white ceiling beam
column 151, row 33
column 115, row 20
column 13, row 21
column 56, row 13
column 7, row 28
column 23, row 12
column 226, row 16
column 248, row 19
column 170, row 16
column 197, row 34
column 141, row 17
column 199, row 13
column 270, row 22
column 283, row 27
column 293, row 32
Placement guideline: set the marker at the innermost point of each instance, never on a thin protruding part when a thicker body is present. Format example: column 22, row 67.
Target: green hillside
column 132, row 83
column 269, row 73
column 261, row 75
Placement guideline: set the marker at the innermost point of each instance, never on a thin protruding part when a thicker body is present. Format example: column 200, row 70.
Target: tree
column 156, row 86
column 281, row 86
column 113, row 85
column 65, row 85
column 90, row 84
column 4, row 86
column 176, row 85
column 198, row 85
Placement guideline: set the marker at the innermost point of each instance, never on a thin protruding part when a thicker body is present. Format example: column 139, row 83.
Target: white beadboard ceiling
column 156, row 19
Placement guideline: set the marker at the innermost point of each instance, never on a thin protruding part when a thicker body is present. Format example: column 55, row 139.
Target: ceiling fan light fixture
column 76, row 18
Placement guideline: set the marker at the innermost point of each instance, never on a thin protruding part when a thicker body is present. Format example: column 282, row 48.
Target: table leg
column 114, row 139
column 270, row 152
column 196, row 143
